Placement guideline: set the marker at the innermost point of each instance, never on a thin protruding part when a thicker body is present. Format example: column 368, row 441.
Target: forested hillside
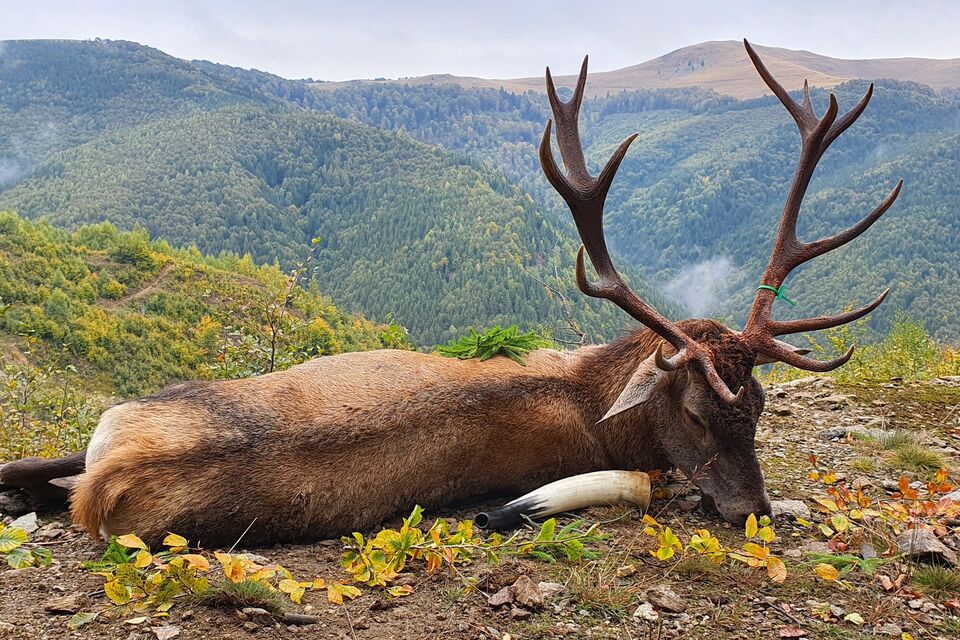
column 240, row 160
column 132, row 315
column 436, row 241
column 697, row 199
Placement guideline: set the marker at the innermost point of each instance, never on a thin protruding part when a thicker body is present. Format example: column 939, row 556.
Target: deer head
column 702, row 370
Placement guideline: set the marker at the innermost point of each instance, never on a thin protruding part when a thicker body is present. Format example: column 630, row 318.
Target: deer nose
column 738, row 513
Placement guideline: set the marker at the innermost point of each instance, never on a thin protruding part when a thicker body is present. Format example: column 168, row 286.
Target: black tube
column 509, row 515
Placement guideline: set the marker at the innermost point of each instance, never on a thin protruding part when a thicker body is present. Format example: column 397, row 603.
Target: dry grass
column 914, row 457
column 936, row 581
column 594, row 586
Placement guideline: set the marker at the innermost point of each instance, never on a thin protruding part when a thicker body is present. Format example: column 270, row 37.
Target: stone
column 835, row 433
column 550, row 589
column 27, row 522
column 816, row 546
column 527, row 593
column 889, row 629
column 166, row 632
column 14, row 502
column 518, row 613
column 953, row 495
column 794, row 554
column 500, row 598
column 253, row 557
column 71, row 603
column 646, row 612
column 924, row 545
column 790, row 508
column 257, row 616
column 665, row 599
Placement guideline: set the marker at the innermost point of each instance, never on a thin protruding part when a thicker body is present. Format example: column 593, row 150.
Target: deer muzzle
column 569, row 494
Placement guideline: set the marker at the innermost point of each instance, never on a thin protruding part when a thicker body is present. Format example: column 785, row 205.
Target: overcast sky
column 361, row 39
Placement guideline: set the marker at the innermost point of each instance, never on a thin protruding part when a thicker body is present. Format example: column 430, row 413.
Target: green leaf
column 547, row 530
column 20, row 558
column 574, row 550
column 80, row 619
column 43, row 557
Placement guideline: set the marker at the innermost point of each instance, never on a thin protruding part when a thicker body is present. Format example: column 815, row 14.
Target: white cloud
column 700, row 287
column 337, row 40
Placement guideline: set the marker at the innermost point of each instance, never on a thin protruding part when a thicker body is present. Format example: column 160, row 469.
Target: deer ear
column 763, row 358
column 639, row 388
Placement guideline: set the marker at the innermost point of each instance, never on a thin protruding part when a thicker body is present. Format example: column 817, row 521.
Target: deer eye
column 695, row 418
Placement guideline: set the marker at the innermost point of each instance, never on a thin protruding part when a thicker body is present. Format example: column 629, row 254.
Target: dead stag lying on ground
column 341, row 443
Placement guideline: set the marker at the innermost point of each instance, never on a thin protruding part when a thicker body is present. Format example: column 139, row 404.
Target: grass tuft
column 597, row 589
column 899, row 438
column 863, row 464
column 914, row 457
column 937, row 581
column 247, row 593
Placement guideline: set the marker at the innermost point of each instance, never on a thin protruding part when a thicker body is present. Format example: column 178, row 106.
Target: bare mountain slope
column 723, row 67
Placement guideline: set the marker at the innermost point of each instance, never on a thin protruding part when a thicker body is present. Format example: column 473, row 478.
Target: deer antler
column 585, row 196
column 816, row 134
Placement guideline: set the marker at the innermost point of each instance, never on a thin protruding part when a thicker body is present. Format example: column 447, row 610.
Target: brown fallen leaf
column 792, row 631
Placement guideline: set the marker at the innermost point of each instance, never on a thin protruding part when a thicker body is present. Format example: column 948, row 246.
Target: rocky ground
column 624, row 592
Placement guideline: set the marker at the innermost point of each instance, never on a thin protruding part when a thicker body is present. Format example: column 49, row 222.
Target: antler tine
column 813, row 249
column 794, row 359
column 567, row 115
column 585, row 196
column 825, row 322
column 816, row 135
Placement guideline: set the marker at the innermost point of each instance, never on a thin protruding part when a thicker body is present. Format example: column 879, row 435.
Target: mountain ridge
column 721, row 66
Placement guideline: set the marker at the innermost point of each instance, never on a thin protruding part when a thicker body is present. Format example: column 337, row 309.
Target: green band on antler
column 781, row 293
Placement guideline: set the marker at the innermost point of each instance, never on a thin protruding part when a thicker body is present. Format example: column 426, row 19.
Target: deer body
column 342, row 442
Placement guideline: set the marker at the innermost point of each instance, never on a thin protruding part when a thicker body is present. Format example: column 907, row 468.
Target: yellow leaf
column 776, row 569
column 400, row 591
column 840, row 522
column 663, row 553
column 196, row 561
column 827, row 504
column 118, row 593
column 855, row 618
column 131, row 541
column 766, row 534
column 319, row 583
column 750, row 530
column 336, row 592
column 826, row 571
column 829, row 477
column 139, row 620
column 906, row 636
column 173, row 540
column 143, row 559
column 755, row 550
column 288, row 586
column 825, row 530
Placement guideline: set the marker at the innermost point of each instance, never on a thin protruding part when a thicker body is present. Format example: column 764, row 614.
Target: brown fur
column 340, row 443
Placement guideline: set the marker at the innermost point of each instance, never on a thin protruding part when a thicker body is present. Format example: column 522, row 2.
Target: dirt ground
column 597, row 598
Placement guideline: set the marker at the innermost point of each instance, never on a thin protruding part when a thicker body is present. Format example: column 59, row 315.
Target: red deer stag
column 341, row 443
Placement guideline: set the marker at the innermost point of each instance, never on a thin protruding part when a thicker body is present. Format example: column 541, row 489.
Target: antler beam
column 816, row 135
column 585, row 196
